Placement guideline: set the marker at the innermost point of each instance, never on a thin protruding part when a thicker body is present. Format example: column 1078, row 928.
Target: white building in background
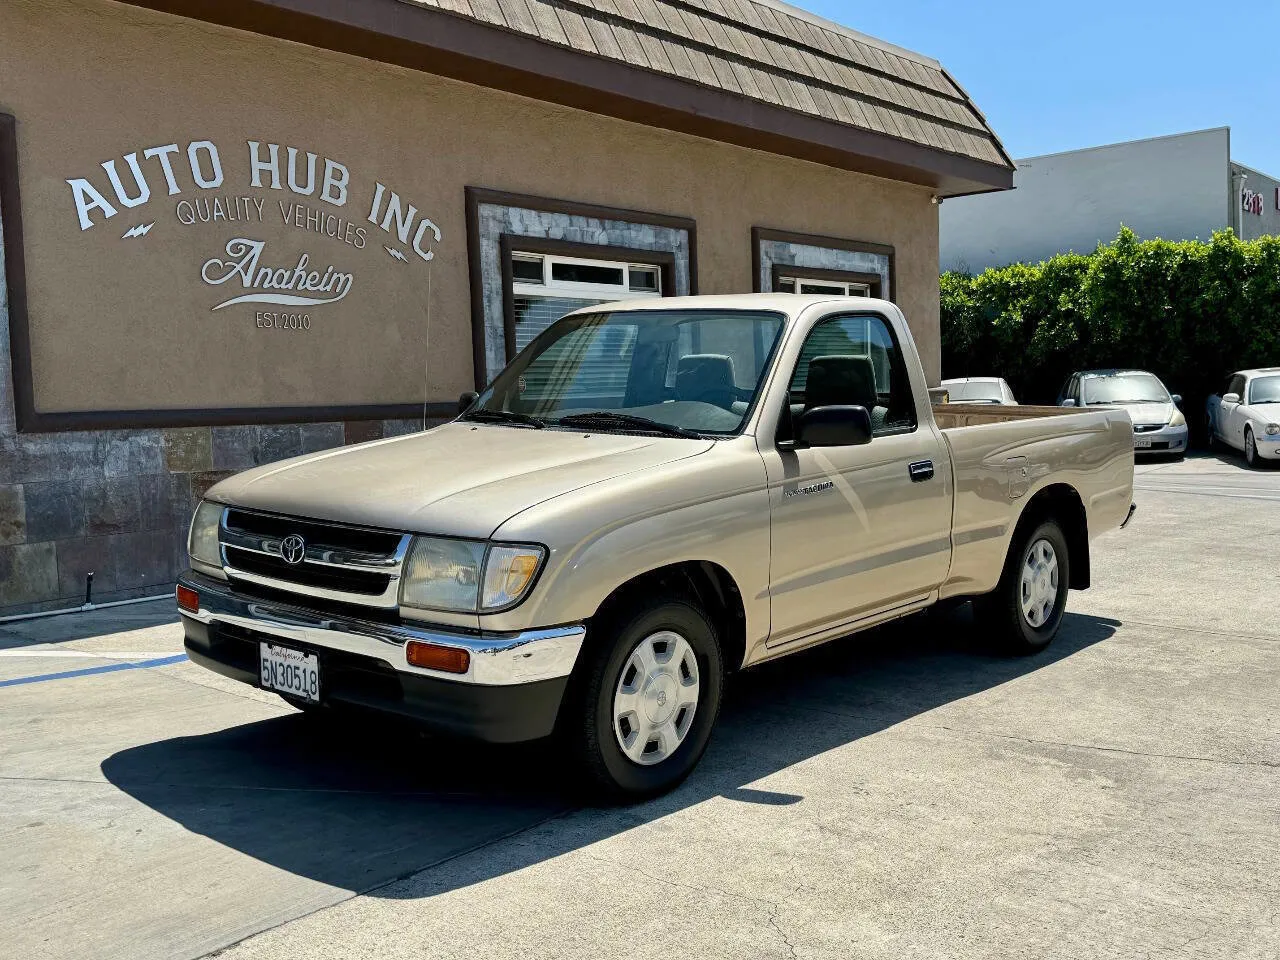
column 1179, row 187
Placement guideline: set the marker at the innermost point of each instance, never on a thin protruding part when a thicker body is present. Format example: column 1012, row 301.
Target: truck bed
column 1001, row 455
column 951, row 415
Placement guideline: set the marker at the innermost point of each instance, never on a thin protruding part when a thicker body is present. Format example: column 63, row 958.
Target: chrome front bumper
column 1168, row 439
column 496, row 659
column 1268, row 447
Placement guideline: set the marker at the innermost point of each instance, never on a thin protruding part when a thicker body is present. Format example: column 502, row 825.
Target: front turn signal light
column 435, row 656
column 188, row 599
column 508, row 574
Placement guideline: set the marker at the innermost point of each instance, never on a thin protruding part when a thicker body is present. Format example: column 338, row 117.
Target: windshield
column 1264, row 390
column 1124, row 388
column 643, row 371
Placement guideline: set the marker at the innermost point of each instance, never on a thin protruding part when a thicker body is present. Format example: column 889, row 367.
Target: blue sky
column 1058, row 76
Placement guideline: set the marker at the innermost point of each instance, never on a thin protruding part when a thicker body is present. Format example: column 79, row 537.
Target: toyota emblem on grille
column 293, row 549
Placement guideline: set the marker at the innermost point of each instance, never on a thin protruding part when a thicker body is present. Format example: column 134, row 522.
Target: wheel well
column 1061, row 502
column 709, row 583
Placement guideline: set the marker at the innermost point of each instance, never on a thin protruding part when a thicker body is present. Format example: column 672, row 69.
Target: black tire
column 1251, row 458
column 1211, row 443
column 1000, row 612
column 587, row 721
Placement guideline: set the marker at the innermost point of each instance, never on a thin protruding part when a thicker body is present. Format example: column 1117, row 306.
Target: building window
column 839, row 288
column 801, row 263
column 544, row 288
column 534, row 259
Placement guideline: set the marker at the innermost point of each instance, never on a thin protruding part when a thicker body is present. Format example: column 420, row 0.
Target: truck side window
column 860, row 363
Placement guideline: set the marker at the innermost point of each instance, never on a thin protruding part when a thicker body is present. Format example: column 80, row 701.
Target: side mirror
column 1176, row 398
column 465, row 401
column 1231, row 398
column 834, row 426
column 1069, row 402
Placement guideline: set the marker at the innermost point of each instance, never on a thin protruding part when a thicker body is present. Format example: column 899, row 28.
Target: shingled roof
column 755, row 72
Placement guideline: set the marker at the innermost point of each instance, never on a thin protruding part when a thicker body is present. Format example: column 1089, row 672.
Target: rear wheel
column 1025, row 610
column 1212, row 442
column 642, row 704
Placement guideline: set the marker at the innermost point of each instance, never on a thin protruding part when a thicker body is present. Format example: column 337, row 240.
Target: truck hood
column 460, row 479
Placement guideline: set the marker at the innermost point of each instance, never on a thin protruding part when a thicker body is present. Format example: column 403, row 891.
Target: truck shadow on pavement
column 360, row 806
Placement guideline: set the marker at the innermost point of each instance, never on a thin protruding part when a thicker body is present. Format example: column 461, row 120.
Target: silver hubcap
column 656, row 698
column 1039, row 587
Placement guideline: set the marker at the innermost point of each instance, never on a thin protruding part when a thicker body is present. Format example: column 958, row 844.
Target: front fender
column 711, row 508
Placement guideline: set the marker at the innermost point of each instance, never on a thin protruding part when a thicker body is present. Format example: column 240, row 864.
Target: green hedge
column 1190, row 312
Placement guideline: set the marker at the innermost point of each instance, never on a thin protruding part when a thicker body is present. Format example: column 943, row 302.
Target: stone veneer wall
column 118, row 502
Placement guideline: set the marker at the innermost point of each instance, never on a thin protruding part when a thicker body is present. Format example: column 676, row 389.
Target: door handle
column 920, row 471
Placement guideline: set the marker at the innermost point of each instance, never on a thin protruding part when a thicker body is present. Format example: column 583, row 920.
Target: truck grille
column 312, row 560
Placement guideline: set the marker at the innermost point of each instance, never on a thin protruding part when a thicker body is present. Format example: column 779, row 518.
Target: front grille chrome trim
column 319, row 555
column 331, row 558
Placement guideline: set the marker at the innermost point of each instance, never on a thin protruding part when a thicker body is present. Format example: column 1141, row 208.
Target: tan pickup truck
column 651, row 496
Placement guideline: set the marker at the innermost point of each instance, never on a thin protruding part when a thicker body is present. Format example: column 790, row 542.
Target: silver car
column 979, row 390
column 1158, row 424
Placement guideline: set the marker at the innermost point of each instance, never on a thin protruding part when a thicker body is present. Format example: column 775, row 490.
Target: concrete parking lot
column 902, row 794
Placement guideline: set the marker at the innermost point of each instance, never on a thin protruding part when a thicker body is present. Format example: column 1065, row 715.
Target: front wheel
column 1025, row 610
column 1250, row 450
column 639, row 712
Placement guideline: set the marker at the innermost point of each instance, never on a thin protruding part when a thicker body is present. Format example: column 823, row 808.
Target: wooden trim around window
column 760, row 234
column 474, row 196
column 15, row 271
column 873, row 280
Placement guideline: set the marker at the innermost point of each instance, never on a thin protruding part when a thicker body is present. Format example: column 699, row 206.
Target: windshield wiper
column 505, row 416
column 610, row 418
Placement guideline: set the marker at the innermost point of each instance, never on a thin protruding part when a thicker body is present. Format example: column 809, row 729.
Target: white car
column 979, row 390
column 1158, row 424
column 1247, row 414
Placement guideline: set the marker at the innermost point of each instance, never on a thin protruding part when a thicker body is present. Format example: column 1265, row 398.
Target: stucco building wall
column 127, row 323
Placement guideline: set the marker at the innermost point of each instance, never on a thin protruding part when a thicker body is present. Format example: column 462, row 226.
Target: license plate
column 290, row 671
column 1141, row 443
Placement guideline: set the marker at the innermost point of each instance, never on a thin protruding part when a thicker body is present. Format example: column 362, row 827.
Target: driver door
column 855, row 530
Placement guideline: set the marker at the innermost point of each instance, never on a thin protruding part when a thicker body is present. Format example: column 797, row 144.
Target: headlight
column 508, row 574
column 467, row 576
column 1273, row 429
column 1178, row 420
column 202, row 542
